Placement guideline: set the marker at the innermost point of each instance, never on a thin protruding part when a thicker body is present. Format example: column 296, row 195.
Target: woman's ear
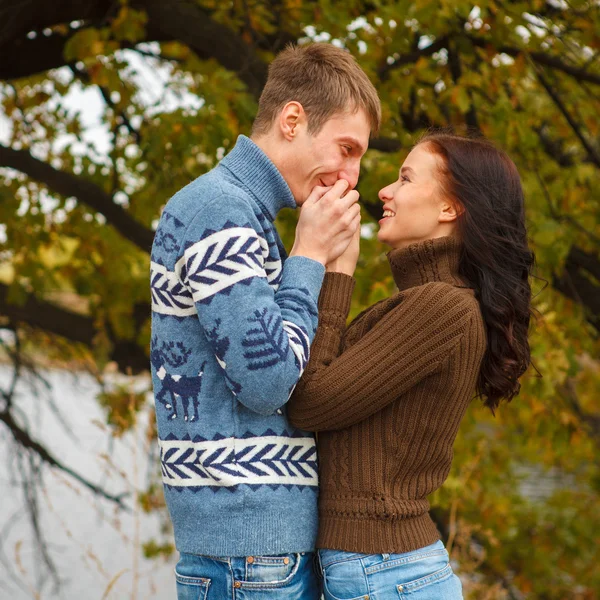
column 449, row 212
column 290, row 117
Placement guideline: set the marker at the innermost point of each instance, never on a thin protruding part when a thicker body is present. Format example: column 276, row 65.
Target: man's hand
column 328, row 220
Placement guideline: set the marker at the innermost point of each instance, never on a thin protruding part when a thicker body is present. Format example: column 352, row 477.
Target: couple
column 234, row 321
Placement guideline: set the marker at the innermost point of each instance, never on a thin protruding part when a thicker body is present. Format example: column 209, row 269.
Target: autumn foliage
column 173, row 85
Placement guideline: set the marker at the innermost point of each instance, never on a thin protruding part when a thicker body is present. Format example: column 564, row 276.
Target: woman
column 387, row 393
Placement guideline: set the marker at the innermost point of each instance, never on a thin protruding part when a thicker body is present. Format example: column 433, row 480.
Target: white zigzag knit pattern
column 228, row 462
column 169, row 296
column 299, row 343
column 210, row 266
column 221, row 260
column 273, row 270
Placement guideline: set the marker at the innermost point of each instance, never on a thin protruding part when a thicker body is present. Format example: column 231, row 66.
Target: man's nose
column 350, row 174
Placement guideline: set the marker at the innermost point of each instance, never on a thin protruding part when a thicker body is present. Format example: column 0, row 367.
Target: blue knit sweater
column 232, row 322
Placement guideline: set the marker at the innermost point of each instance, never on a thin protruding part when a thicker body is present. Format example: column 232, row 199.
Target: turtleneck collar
column 255, row 170
column 424, row 262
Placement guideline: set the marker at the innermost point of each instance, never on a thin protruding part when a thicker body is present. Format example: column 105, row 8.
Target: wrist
column 332, row 267
column 342, row 271
column 308, row 253
column 340, row 267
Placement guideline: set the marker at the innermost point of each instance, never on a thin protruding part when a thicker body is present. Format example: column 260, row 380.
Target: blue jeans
column 423, row 574
column 282, row 577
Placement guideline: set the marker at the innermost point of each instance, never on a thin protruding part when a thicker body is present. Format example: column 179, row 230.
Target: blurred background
column 107, row 107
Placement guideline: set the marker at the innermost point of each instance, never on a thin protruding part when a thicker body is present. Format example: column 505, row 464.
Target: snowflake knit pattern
column 232, row 323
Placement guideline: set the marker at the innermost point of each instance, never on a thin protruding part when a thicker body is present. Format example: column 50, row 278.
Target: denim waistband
column 328, row 557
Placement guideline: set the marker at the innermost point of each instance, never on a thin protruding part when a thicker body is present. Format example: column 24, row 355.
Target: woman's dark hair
column 485, row 185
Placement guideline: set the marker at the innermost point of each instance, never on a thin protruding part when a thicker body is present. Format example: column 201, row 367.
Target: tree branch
column 75, row 327
column 185, row 21
column 581, row 74
column 411, row 57
column 24, row 57
column 124, row 119
column 577, row 285
column 554, row 148
column 181, row 20
column 562, row 218
column 590, row 421
column 49, row 317
column 24, row 440
column 456, row 71
column 19, row 18
column 85, row 191
column 592, row 152
column 20, row 55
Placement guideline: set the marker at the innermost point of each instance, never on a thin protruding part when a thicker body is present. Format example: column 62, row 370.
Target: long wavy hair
column 485, row 186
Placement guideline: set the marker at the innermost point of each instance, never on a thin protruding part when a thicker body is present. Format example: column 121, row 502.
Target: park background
column 110, row 106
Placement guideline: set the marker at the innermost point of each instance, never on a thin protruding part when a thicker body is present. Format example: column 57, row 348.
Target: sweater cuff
column 336, row 294
column 303, row 272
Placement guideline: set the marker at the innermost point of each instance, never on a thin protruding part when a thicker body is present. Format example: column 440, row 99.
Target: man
column 232, row 323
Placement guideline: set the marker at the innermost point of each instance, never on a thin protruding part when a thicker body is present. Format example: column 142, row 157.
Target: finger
column 317, row 193
column 338, row 189
column 345, row 216
column 351, row 198
column 347, row 223
column 355, row 225
column 352, row 230
column 354, row 210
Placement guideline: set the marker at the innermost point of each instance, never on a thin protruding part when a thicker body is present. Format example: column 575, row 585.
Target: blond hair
column 324, row 79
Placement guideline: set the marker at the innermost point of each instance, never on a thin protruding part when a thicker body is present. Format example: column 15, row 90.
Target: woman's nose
column 384, row 193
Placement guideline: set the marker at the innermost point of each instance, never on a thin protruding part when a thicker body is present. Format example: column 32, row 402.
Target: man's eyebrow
column 354, row 142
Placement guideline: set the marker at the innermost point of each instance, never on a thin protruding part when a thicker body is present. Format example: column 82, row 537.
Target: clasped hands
column 328, row 229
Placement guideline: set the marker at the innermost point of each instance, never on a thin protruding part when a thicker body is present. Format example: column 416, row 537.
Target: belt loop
column 385, row 556
column 318, row 561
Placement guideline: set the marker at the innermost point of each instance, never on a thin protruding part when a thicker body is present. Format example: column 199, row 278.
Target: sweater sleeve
column 407, row 345
column 264, row 329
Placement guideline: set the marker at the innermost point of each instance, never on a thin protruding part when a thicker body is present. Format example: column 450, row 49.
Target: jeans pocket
column 191, row 588
column 345, row 580
column 270, row 571
column 428, row 586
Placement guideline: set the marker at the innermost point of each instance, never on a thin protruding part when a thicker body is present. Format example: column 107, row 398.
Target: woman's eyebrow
column 406, row 170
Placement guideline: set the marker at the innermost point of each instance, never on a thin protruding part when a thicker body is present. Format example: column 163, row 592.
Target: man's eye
column 348, row 149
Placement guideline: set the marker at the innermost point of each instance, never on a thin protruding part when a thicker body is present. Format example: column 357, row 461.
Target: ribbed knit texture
column 387, row 395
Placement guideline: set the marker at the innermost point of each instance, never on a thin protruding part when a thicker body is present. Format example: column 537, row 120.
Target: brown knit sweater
column 387, row 395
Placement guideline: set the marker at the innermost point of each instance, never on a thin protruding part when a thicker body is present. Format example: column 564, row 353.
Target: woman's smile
column 387, row 214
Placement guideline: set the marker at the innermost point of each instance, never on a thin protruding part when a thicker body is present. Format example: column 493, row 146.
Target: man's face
column 331, row 154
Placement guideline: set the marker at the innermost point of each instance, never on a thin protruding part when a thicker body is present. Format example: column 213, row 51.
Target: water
column 95, row 547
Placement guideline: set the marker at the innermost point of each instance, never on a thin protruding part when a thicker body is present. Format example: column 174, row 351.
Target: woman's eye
column 404, row 178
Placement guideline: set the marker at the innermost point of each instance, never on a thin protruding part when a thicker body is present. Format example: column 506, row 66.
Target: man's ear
column 449, row 212
column 291, row 117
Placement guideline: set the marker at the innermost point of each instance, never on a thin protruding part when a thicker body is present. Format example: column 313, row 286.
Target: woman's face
column 415, row 208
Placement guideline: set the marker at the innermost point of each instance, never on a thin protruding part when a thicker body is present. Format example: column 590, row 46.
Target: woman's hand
column 346, row 262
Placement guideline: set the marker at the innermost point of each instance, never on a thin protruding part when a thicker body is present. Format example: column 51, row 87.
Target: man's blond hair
column 324, row 79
